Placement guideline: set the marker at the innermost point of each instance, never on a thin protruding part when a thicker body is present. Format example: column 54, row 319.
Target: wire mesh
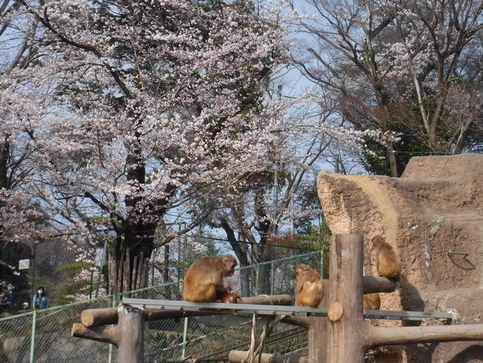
column 45, row 335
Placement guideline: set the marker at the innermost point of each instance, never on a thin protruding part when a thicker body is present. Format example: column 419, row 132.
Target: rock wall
column 433, row 216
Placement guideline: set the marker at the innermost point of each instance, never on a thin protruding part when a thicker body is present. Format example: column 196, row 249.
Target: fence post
column 272, row 276
column 32, row 339
column 185, row 338
column 257, row 276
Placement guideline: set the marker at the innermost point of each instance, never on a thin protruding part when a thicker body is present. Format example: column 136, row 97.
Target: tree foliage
column 410, row 67
column 21, row 217
column 133, row 107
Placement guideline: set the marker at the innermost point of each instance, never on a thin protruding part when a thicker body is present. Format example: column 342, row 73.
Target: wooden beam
column 97, row 317
column 378, row 284
column 424, row 334
column 106, row 334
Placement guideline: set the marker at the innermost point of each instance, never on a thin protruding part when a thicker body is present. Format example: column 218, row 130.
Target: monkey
column 388, row 263
column 371, row 301
column 309, row 289
column 204, row 280
column 231, row 297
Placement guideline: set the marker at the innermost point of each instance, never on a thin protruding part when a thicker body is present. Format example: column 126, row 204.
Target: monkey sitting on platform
column 309, row 290
column 388, row 263
column 204, row 280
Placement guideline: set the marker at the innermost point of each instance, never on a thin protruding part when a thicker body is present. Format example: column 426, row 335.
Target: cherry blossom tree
column 20, row 216
column 139, row 106
column 408, row 67
column 270, row 209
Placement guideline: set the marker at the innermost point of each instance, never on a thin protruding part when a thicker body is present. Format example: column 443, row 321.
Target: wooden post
column 131, row 335
column 345, row 326
column 127, row 336
column 316, row 339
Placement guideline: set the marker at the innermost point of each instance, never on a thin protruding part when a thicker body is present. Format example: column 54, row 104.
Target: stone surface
column 433, row 216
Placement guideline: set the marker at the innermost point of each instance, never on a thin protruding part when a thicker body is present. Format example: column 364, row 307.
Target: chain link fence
column 45, row 335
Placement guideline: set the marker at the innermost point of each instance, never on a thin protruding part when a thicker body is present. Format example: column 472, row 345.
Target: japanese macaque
column 309, row 289
column 388, row 263
column 204, row 280
column 371, row 301
column 231, row 297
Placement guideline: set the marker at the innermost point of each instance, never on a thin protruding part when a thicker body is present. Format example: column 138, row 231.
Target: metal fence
column 45, row 335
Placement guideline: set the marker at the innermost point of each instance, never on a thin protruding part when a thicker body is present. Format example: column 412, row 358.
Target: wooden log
column 130, row 348
column 267, row 300
column 97, row 317
column 346, row 339
column 135, row 272
column 146, row 271
column 236, row 356
column 127, row 274
column 120, row 272
column 377, row 284
column 107, row 334
column 424, row 334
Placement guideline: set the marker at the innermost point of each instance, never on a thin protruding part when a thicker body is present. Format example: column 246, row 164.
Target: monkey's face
column 230, row 267
column 378, row 240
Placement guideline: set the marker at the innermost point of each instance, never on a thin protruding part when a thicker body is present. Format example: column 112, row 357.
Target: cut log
column 425, row 334
column 97, row 317
column 107, row 334
column 130, row 348
column 377, row 284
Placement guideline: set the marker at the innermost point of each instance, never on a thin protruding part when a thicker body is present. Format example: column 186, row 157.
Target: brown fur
column 309, row 290
column 204, row 280
column 231, row 297
column 371, row 301
column 388, row 263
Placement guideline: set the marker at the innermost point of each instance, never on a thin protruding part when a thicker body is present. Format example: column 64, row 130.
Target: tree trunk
column 4, row 157
column 392, row 161
column 128, row 272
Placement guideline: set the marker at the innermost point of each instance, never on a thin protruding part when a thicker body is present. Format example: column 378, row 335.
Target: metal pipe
column 32, row 339
column 185, row 338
